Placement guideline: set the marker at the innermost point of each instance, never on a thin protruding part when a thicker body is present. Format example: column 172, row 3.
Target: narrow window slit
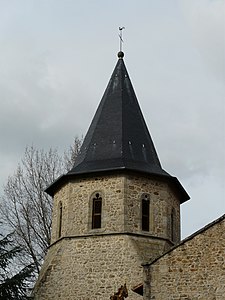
column 60, row 220
column 145, row 206
column 97, row 211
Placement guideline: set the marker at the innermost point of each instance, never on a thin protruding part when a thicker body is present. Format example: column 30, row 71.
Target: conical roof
column 118, row 137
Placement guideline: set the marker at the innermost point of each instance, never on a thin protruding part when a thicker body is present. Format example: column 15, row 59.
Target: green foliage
column 13, row 281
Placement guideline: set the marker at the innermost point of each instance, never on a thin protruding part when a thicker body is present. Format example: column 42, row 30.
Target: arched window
column 172, row 224
column 60, row 220
column 145, row 206
column 96, row 211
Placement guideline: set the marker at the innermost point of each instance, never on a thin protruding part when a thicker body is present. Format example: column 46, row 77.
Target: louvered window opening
column 145, row 213
column 97, row 211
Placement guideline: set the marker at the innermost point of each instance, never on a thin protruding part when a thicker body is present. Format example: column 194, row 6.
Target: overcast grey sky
column 56, row 57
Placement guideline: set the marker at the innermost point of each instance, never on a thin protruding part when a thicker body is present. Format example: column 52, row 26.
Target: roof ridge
column 188, row 238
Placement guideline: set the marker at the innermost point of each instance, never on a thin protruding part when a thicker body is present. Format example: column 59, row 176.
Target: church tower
column 115, row 209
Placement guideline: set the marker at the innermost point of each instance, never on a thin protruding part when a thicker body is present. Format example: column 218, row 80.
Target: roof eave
column 172, row 181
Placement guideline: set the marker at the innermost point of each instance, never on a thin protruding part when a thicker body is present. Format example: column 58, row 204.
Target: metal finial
column 121, row 37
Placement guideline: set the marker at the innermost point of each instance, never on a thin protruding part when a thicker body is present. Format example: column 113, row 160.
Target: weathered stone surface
column 86, row 263
column 195, row 270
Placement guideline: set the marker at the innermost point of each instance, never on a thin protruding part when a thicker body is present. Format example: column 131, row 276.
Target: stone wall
column 162, row 201
column 121, row 206
column 195, row 270
column 91, row 268
column 85, row 263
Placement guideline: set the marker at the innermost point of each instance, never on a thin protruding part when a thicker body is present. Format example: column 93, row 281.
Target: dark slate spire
column 118, row 137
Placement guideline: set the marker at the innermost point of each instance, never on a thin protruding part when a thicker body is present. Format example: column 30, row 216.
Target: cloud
column 207, row 24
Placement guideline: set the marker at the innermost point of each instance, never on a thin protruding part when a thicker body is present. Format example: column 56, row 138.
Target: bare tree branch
column 25, row 208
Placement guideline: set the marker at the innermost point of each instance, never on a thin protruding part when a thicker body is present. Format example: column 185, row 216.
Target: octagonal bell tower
column 115, row 209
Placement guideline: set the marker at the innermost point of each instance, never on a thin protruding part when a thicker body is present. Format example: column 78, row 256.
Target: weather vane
column 121, row 36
